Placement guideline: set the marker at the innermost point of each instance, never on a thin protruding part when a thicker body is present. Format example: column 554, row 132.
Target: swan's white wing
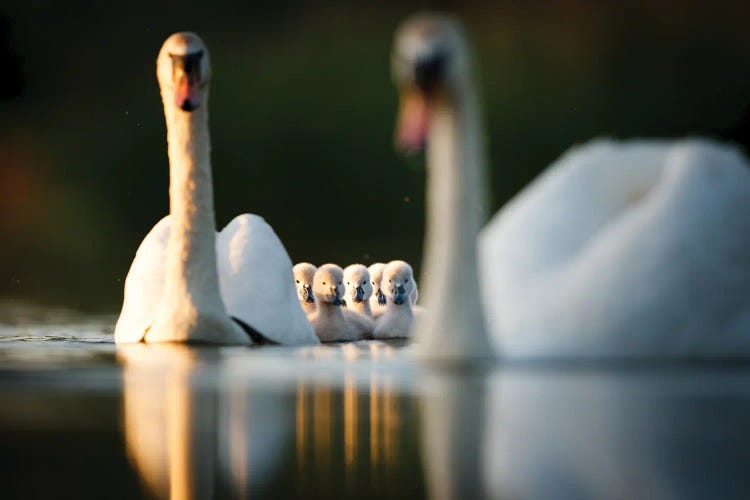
column 256, row 281
column 143, row 285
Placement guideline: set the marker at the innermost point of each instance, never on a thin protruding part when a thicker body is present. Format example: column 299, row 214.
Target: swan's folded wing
column 143, row 285
column 256, row 281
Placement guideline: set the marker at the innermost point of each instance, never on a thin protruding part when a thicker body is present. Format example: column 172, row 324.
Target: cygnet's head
column 398, row 281
column 184, row 71
column 304, row 273
column 357, row 283
column 430, row 64
column 328, row 284
column 376, row 275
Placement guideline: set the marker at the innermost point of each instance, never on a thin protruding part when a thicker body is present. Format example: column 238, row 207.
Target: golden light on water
column 182, row 438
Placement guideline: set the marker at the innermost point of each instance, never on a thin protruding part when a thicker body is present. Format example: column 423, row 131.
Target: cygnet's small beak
column 307, row 294
column 336, row 294
column 358, row 294
column 382, row 300
column 399, row 295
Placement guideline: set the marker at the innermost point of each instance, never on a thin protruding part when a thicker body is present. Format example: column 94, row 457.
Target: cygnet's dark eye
column 297, row 281
column 406, row 280
column 348, row 283
column 324, row 282
column 390, row 281
column 373, row 283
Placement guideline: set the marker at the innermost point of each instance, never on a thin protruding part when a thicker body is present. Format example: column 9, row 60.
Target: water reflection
column 579, row 433
column 195, row 426
column 355, row 433
column 191, row 436
column 342, row 423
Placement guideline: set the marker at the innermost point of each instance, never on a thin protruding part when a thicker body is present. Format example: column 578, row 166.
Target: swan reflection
column 197, row 423
column 190, row 435
column 599, row 433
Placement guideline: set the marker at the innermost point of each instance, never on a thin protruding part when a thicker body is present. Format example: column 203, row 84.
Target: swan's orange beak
column 413, row 120
column 186, row 75
column 186, row 94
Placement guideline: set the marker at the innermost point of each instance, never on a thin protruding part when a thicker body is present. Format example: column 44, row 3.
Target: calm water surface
column 80, row 417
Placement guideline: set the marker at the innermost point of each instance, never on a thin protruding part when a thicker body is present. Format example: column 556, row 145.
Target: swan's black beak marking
column 186, row 73
column 429, row 71
column 382, row 300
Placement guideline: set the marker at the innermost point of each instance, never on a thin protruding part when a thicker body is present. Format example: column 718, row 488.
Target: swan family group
column 635, row 248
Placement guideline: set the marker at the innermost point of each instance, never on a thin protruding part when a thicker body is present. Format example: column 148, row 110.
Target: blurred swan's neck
column 192, row 283
column 453, row 327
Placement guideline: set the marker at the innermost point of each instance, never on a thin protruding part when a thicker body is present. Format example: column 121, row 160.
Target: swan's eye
column 406, row 280
column 348, row 283
column 297, row 281
column 390, row 281
column 373, row 283
column 324, row 282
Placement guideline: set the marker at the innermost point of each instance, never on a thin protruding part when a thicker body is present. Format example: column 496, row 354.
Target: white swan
column 304, row 273
column 377, row 299
column 185, row 282
column 635, row 248
column 398, row 286
column 331, row 321
column 358, row 289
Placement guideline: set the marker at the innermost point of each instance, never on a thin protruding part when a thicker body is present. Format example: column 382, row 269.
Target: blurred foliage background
column 302, row 114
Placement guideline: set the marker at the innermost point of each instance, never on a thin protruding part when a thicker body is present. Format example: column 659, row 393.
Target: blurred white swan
column 186, row 281
column 619, row 249
column 330, row 321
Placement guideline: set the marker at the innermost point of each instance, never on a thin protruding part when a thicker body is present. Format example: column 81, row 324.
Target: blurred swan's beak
column 413, row 118
column 381, row 298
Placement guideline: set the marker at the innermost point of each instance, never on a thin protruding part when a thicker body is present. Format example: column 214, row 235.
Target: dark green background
column 302, row 114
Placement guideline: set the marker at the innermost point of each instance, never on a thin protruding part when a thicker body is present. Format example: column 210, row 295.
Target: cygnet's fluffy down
column 330, row 321
column 303, row 280
column 358, row 289
column 397, row 284
column 377, row 299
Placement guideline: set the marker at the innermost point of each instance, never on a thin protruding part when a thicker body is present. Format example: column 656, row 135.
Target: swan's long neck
column 192, row 282
column 453, row 327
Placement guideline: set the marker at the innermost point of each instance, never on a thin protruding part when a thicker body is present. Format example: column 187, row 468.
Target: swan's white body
column 626, row 249
column 638, row 248
column 186, row 282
